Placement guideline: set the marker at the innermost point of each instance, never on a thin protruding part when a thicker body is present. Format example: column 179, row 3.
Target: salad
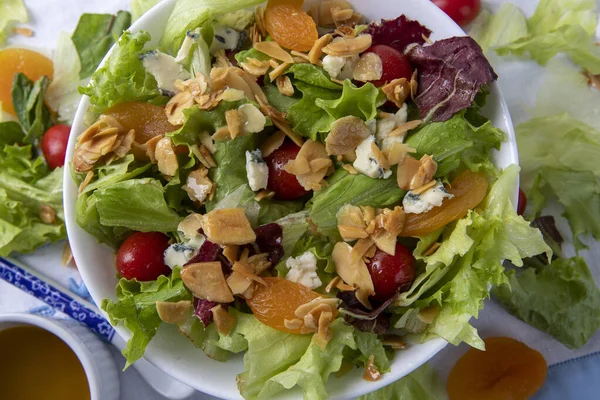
column 310, row 189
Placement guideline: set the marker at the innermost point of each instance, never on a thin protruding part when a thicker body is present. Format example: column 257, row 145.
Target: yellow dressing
column 35, row 364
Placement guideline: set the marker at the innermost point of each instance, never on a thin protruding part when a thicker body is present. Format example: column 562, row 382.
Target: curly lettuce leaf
column 118, row 171
column 87, row 217
column 359, row 190
column 306, row 117
column 123, row 77
column 11, row 12
column 505, row 26
column 560, row 299
column 491, row 236
column 276, row 361
column 552, row 14
column 140, row 7
column 422, row 384
column 136, row 309
column 190, row 14
column 313, row 75
column 369, row 344
column 457, row 142
column 94, row 36
column 362, row 102
column 577, row 191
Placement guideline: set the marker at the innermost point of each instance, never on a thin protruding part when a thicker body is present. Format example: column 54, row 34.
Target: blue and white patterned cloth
column 573, row 374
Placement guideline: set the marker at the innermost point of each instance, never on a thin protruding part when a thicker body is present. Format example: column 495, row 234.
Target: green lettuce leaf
column 140, row 7
column 206, row 339
column 560, row 299
column 276, row 99
column 11, row 133
column 459, row 282
column 313, row 75
column 11, row 12
column 553, row 14
column 369, row 344
column 306, row 117
column 137, row 204
column 455, row 142
column 190, row 14
column 422, row 384
column 136, row 309
column 505, row 26
column 94, row 36
column 276, row 361
column 28, row 100
column 123, row 78
column 118, row 171
column 294, row 226
column 361, row 102
column 87, row 217
column 578, row 192
column 343, row 188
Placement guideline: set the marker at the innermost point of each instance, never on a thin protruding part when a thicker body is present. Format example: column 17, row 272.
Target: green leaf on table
column 94, row 36
column 11, row 12
column 28, row 100
column 136, row 309
column 560, row 299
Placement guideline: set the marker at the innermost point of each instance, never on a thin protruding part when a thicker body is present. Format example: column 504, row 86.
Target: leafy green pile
column 558, row 152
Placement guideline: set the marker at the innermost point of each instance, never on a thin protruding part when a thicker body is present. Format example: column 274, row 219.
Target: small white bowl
column 96, row 359
column 175, row 354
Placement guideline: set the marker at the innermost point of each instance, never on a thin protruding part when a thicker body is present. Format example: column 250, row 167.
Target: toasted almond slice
column 287, row 129
column 166, row 157
column 206, row 281
column 298, row 166
column 397, row 152
column 345, row 135
column 301, row 55
column 425, row 173
column 222, row 134
column 234, row 122
column 323, row 334
column 351, row 170
column 203, row 155
column 432, row 249
column 272, row 49
column 174, row 312
column 371, row 373
column 264, row 195
column 247, row 272
column 332, row 283
column 368, row 213
column 344, row 47
column 274, row 64
column 397, row 91
column 238, row 283
column 368, row 68
column 361, row 247
column 227, row 226
column 349, row 233
column 353, row 272
column 394, row 221
column 259, row 17
column 256, row 70
column 67, row 255
column 378, row 155
column 47, row 214
column 401, row 130
column 279, row 71
column 254, row 34
column 314, row 55
column 23, row 31
column 190, row 225
column 231, row 253
column 272, row 143
column 224, row 321
column 406, row 171
column 259, row 263
column 429, row 314
column 306, row 308
column 319, row 164
column 86, row 181
column 385, row 241
column 414, row 85
column 425, row 187
column 395, row 342
column 284, row 85
column 292, row 324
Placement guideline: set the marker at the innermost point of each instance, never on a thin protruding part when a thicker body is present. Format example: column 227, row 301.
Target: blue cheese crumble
column 303, row 270
column 257, row 170
column 420, row 203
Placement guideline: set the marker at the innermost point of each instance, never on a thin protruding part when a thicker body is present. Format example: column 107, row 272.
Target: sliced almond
column 345, row 135
column 425, row 173
column 345, row 47
column 425, row 187
column 395, row 342
column 368, row 68
column 280, row 70
column 204, row 156
column 414, row 85
column 311, row 178
column 397, row 91
column 234, row 122
column 406, row 171
column 332, row 283
column 252, row 120
column 231, row 253
column 293, row 324
column 394, row 221
column 86, row 181
column 174, row 312
column 428, row 314
column 206, row 281
column 371, row 373
column 349, row 233
column 224, row 321
column 272, row 143
column 323, row 13
column 287, row 129
column 379, row 156
column 396, row 153
column 176, row 105
column 228, row 226
column 257, row 68
column 166, row 157
column 47, row 214
column 351, row 170
column 66, row 258
column 238, row 283
column 432, row 249
column 272, row 49
column 315, row 53
column 385, row 241
column 361, row 247
column 323, row 334
column 284, row 85
column 221, row 134
column 401, row 130
column 190, row 225
column 353, row 272
column 259, row 17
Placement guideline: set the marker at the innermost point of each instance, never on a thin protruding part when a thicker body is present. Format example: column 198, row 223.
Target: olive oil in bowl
column 35, row 364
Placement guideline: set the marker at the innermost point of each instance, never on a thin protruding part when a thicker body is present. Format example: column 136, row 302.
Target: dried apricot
column 506, row 370
column 278, row 300
column 146, row 119
column 469, row 188
column 289, row 25
column 33, row 64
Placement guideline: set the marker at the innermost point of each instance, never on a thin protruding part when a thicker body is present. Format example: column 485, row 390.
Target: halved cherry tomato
column 141, row 256
column 54, row 145
column 284, row 184
column 395, row 64
column 463, row 12
column 391, row 274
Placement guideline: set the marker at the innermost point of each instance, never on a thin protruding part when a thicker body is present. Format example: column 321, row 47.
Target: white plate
column 176, row 355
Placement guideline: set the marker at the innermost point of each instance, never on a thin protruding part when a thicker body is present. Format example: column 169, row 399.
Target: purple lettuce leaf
column 397, row 33
column 202, row 310
column 376, row 320
column 450, row 74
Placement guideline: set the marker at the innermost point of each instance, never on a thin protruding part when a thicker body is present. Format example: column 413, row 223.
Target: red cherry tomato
column 391, row 274
column 395, row 64
column 463, row 12
column 54, row 145
column 141, row 256
column 522, row 202
column 284, row 184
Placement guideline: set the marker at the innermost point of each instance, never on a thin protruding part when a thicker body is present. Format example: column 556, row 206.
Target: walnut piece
column 227, row 226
